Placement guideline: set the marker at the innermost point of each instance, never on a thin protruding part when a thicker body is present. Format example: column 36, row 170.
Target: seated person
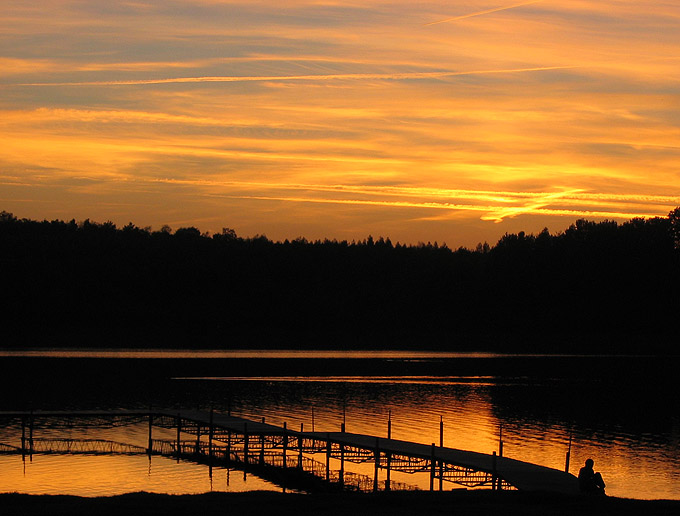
column 589, row 481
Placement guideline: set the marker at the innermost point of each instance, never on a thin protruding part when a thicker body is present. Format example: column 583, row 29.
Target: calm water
column 621, row 412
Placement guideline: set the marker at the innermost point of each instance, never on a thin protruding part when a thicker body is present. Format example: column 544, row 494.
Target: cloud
column 319, row 77
column 481, row 13
column 495, row 205
column 493, row 213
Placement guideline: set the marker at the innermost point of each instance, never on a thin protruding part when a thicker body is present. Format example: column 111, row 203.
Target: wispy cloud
column 481, row 13
column 15, row 66
column 570, row 195
column 319, row 77
column 493, row 213
column 495, row 205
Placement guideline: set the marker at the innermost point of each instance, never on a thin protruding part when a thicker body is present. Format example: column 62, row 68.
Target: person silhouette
column 589, row 481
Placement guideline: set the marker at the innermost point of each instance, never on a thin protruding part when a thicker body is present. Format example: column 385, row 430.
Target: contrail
column 480, row 13
column 258, row 78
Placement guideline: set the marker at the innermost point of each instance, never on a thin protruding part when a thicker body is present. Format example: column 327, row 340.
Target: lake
column 620, row 411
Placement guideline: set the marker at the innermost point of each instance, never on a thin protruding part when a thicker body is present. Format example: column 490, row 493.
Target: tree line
column 594, row 287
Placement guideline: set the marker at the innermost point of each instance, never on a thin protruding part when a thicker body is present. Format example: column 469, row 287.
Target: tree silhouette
column 674, row 217
column 596, row 286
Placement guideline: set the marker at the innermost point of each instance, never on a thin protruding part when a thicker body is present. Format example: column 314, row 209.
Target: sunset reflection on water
column 634, row 442
column 106, row 475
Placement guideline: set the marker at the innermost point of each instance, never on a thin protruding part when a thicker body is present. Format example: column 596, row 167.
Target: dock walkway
column 521, row 475
column 235, row 439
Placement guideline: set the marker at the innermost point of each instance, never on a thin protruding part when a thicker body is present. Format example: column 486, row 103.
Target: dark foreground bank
column 278, row 504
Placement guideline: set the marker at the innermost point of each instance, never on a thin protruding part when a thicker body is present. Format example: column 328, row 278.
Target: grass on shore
column 470, row 503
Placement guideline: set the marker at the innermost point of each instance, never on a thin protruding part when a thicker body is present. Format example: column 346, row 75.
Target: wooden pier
column 222, row 439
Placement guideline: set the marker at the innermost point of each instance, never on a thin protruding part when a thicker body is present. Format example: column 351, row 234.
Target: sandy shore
column 379, row 504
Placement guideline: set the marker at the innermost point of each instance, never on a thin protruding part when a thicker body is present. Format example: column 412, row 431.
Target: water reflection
column 439, row 380
column 616, row 411
column 637, row 456
column 244, row 353
column 95, row 473
column 106, row 475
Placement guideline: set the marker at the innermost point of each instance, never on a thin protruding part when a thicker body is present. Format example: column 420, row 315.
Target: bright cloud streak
column 571, row 196
column 504, row 204
column 270, row 78
column 496, row 214
column 481, row 13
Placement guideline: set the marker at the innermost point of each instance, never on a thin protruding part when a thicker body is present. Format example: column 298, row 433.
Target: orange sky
column 447, row 121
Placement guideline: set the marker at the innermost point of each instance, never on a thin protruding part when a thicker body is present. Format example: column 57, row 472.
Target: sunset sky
column 451, row 121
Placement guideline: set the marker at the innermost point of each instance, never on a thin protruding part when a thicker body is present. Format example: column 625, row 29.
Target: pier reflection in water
column 105, row 457
column 106, row 475
column 635, row 446
column 620, row 418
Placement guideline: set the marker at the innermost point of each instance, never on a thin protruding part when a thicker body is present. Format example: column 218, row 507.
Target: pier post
column 23, row 436
column 262, row 445
column 432, row 468
column 179, row 433
column 388, row 455
column 211, row 430
column 328, row 457
column 312, row 418
column 500, row 441
column 344, row 415
column 342, row 466
column 262, row 448
column 300, row 445
column 566, row 464
column 494, row 476
column 197, row 450
column 228, row 448
column 377, row 463
column 30, row 435
column 245, row 443
column 441, row 475
column 150, row 447
column 441, row 445
column 441, row 431
column 285, row 444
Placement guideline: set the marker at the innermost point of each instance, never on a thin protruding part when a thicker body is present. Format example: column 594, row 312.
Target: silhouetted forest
column 594, row 287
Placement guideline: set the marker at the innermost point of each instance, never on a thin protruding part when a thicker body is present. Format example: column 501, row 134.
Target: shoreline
column 265, row 503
